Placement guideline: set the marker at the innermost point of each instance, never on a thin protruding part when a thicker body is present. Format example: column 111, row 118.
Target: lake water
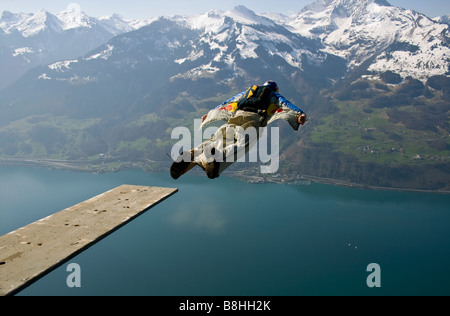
column 230, row 238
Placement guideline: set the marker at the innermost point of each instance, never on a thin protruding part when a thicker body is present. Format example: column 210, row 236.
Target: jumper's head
column 273, row 85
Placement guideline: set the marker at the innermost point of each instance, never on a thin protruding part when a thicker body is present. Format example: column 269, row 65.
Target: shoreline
column 117, row 165
column 308, row 179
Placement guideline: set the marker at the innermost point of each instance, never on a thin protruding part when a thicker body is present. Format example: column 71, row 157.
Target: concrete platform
column 33, row 251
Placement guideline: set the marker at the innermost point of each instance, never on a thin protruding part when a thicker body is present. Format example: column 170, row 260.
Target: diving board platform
column 33, row 251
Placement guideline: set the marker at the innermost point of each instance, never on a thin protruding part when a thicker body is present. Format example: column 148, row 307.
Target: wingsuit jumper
column 254, row 108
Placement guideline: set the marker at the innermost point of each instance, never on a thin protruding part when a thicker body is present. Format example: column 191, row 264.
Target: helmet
column 272, row 84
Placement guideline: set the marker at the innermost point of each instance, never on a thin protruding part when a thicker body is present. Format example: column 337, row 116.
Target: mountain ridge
column 29, row 40
column 398, row 39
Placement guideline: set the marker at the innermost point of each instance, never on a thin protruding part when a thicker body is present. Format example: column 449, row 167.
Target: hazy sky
column 150, row 8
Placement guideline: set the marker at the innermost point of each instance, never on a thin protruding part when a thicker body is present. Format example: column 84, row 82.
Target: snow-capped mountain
column 367, row 33
column 240, row 34
column 220, row 49
column 203, row 46
column 117, row 24
column 443, row 19
column 325, row 41
column 389, row 38
column 32, row 24
column 28, row 40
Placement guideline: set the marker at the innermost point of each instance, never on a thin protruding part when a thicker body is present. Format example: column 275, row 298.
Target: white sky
column 142, row 9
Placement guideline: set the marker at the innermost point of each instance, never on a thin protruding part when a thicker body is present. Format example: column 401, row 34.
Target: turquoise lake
column 226, row 237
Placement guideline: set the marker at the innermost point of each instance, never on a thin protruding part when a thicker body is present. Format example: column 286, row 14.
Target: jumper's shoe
column 212, row 169
column 179, row 168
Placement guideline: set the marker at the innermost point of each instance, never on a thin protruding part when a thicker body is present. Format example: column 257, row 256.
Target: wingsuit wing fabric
column 224, row 111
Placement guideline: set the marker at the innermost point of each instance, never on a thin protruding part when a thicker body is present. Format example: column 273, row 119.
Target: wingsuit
column 247, row 111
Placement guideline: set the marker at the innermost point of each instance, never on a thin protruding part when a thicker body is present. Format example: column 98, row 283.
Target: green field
column 372, row 135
